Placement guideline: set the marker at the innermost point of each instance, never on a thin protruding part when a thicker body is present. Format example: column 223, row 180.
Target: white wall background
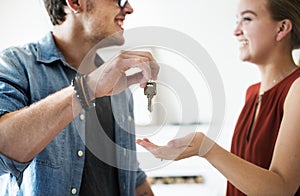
column 22, row 21
column 211, row 23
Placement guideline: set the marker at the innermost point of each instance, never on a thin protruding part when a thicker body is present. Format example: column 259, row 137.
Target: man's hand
column 110, row 78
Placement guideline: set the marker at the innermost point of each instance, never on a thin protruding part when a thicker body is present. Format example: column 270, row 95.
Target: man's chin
column 116, row 39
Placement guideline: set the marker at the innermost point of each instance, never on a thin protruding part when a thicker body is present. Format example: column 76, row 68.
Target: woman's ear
column 74, row 5
column 284, row 28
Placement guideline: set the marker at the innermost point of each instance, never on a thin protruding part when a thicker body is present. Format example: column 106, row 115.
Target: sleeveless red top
column 257, row 147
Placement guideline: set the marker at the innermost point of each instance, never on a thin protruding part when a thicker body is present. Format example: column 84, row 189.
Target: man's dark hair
column 55, row 9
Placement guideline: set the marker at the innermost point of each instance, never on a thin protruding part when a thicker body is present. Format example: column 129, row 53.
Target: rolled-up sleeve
column 13, row 96
column 13, row 167
column 13, row 82
column 140, row 177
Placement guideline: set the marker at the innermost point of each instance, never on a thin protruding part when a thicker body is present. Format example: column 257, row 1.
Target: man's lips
column 119, row 21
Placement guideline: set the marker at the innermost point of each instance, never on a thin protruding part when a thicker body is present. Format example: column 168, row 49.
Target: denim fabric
column 31, row 73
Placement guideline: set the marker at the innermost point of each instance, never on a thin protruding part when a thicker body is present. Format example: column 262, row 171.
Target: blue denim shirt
column 31, row 73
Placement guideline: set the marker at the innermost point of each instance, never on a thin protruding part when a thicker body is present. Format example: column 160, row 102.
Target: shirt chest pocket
column 53, row 155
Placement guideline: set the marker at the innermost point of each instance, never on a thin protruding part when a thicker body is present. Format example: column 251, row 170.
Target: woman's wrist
column 206, row 146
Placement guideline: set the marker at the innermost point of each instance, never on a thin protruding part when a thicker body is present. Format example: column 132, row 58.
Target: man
column 48, row 97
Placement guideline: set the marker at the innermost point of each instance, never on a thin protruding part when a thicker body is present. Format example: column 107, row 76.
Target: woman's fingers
column 162, row 152
column 175, row 149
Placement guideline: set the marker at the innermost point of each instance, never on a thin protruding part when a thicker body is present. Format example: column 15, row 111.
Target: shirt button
column 129, row 118
column 73, row 191
column 80, row 153
column 82, row 117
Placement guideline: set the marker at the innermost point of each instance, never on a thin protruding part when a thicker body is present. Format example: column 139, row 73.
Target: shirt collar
column 47, row 52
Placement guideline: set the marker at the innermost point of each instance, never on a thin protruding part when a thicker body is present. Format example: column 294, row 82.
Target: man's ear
column 74, row 5
column 284, row 28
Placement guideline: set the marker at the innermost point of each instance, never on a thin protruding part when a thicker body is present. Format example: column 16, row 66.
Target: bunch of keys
column 150, row 91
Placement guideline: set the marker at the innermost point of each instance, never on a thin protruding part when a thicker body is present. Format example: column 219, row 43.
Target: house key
column 150, row 91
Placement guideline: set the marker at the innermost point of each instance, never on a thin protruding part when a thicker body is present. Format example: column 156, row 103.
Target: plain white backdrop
column 211, row 23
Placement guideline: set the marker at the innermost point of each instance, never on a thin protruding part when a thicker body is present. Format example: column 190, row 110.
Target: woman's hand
column 177, row 149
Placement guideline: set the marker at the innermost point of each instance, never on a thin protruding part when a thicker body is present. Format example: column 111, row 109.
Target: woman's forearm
column 247, row 177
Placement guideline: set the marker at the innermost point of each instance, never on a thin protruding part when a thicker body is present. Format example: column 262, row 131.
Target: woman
column 265, row 156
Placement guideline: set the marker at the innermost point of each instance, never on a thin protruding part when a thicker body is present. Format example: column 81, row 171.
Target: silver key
column 150, row 91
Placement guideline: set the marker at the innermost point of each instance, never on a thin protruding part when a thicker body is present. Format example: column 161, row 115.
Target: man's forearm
column 144, row 189
column 26, row 132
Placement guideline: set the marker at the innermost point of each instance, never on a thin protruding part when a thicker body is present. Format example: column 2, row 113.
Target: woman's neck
column 271, row 75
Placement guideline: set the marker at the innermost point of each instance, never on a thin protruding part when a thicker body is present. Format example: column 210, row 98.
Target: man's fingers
column 110, row 78
column 140, row 63
column 137, row 78
column 147, row 56
column 154, row 69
